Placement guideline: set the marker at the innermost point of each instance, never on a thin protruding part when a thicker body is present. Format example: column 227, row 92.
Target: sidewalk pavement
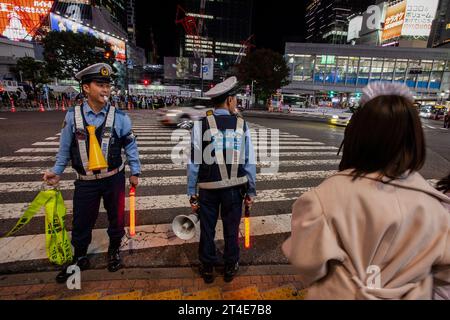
column 278, row 282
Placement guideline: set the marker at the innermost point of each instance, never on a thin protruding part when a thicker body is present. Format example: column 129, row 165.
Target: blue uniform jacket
column 249, row 166
column 122, row 126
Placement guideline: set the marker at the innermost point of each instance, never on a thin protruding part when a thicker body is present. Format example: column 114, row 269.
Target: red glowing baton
column 247, row 227
column 132, row 211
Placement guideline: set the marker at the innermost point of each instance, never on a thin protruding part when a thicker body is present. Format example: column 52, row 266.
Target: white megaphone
column 184, row 226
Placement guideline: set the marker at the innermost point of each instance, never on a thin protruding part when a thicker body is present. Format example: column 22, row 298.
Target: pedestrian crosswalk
column 302, row 162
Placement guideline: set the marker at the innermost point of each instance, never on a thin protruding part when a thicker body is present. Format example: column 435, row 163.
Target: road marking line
column 187, row 143
column 51, row 138
column 26, row 186
column 172, row 167
column 164, row 156
column 180, row 148
column 15, row 210
column 26, row 248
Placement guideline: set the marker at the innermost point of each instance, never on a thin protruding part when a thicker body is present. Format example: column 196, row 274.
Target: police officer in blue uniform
column 113, row 131
column 222, row 168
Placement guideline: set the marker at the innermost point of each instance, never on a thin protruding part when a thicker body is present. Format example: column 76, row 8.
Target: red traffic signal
column 146, row 82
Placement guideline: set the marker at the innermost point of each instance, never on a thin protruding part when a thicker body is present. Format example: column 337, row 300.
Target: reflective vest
column 110, row 144
column 222, row 175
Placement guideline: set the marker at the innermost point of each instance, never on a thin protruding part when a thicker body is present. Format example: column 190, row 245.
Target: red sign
column 20, row 19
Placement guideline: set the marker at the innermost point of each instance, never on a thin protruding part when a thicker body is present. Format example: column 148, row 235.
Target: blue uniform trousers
column 229, row 202
column 86, row 204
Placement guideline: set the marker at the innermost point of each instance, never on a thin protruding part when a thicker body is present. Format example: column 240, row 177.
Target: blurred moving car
column 425, row 112
column 192, row 110
column 433, row 112
column 341, row 119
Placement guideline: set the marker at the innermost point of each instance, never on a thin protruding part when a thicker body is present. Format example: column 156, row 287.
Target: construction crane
column 189, row 24
column 245, row 49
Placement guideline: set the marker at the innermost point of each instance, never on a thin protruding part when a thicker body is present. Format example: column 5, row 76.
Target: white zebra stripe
column 15, row 210
column 171, row 167
column 26, row 248
column 156, row 156
column 186, row 142
column 149, row 149
column 26, row 186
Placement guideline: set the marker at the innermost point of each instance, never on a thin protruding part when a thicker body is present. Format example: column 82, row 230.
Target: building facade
column 327, row 20
column 318, row 69
column 222, row 25
column 440, row 31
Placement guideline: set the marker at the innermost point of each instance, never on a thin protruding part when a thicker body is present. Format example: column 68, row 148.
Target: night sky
column 273, row 23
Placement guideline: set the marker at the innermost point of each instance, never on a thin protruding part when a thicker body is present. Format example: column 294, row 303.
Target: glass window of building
column 297, row 67
column 364, row 71
column 352, row 70
column 320, row 68
column 376, row 69
column 400, row 70
column 424, row 73
column 412, row 73
column 309, row 68
column 388, row 69
column 330, row 69
column 341, row 69
column 435, row 79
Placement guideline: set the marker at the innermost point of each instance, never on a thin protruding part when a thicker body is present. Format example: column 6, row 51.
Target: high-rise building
column 327, row 20
column 131, row 20
column 440, row 31
column 222, row 27
column 117, row 9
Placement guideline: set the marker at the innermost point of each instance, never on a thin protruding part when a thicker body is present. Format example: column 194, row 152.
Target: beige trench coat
column 366, row 239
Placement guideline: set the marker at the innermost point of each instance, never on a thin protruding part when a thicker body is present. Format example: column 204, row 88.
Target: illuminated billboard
column 410, row 18
column 181, row 68
column 354, row 27
column 419, row 17
column 20, row 19
column 395, row 17
column 59, row 23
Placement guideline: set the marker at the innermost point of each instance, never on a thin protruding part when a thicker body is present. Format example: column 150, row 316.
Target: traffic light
column 331, row 94
column 146, row 82
column 107, row 54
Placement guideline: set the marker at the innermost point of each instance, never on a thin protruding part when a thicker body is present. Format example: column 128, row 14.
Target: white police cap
column 228, row 87
column 99, row 72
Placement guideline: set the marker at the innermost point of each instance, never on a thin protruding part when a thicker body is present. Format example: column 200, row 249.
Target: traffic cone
column 13, row 107
column 41, row 107
column 63, row 107
column 56, row 105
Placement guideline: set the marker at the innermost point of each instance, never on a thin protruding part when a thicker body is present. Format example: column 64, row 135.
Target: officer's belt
column 100, row 175
column 228, row 183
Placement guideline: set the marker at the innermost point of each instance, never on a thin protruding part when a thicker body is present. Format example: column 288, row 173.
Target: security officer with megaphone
column 222, row 167
column 92, row 138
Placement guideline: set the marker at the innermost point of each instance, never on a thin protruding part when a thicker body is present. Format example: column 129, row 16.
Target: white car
column 341, row 119
column 193, row 111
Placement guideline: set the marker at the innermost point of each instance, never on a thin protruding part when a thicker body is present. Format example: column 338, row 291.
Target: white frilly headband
column 377, row 89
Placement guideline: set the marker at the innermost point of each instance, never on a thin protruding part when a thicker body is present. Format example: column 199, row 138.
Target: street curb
column 139, row 274
column 250, row 114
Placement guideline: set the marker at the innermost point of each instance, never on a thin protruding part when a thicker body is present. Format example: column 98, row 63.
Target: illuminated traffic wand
column 132, row 211
column 247, row 227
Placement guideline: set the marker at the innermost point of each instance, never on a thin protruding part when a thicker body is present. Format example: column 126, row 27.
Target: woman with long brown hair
column 376, row 229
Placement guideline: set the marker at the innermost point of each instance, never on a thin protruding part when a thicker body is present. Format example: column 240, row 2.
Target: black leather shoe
column 207, row 273
column 114, row 260
column 230, row 271
column 82, row 262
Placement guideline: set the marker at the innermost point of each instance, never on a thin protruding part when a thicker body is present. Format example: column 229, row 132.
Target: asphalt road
column 307, row 156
